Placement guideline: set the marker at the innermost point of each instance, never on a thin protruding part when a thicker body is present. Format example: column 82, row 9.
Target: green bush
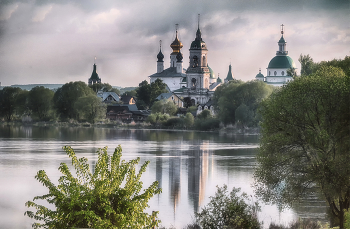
column 229, row 211
column 110, row 197
column 174, row 122
column 207, row 124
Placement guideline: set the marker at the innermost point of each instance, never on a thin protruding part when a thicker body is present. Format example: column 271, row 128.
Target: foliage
column 305, row 141
column 307, row 64
column 188, row 120
column 110, row 197
column 164, row 106
column 207, row 124
column 229, row 211
column 244, row 115
column 10, row 102
column 174, row 122
column 40, row 102
column 157, row 118
column 192, row 109
column 147, row 93
column 228, row 97
column 204, row 114
column 143, row 94
column 105, row 87
column 66, row 96
column 91, row 108
column 298, row 224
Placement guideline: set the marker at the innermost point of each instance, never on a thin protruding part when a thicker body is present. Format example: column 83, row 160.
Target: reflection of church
column 198, row 81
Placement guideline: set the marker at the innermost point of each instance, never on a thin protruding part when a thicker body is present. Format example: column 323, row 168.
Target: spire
column 282, row 44
column 229, row 74
column 198, row 34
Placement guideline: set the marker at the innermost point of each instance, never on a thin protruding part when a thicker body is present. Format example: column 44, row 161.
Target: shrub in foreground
column 110, row 197
column 229, row 211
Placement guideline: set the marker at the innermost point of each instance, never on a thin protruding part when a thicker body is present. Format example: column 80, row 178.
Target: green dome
column 212, row 75
column 219, row 80
column 259, row 75
column 281, row 62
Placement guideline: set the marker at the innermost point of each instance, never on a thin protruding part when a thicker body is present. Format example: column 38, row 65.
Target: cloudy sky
column 44, row 41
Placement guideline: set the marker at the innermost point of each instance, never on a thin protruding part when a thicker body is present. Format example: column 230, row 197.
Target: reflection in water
column 188, row 166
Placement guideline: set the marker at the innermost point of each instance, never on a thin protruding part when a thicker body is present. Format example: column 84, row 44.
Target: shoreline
column 118, row 125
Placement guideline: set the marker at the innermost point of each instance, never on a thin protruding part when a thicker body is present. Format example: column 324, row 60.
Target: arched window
column 275, row 73
column 282, row 73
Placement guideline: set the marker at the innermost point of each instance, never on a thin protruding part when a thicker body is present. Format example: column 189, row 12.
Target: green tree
column 9, row 102
column 165, row 107
column 305, row 142
column 157, row 88
column 105, row 87
column 307, row 64
column 188, row 120
column 90, row 108
column 157, row 118
column 244, row 115
column 143, row 94
column 229, row 211
column 40, row 102
column 110, row 197
column 66, row 96
column 228, row 97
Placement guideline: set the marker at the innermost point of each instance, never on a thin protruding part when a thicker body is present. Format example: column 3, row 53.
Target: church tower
column 94, row 76
column 198, row 73
column 160, row 57
column 280, row 64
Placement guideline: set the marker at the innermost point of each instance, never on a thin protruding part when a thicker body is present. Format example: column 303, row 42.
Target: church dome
column 176, row 45
column 212, row 75
column 282, row 62
column 160, row 56
column 259, row 75
column 179, row 57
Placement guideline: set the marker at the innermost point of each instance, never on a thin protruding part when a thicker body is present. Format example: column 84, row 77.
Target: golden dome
column 176, row 45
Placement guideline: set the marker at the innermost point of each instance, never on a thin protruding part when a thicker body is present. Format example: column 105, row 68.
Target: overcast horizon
column 55, row 42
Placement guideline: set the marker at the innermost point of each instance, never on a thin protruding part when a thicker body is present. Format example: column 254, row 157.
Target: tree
column 165, row 107
column 229, row 211
column 244, row 115
column 188, row 120
column 228, row 97
column 305, row 142
column 110, row 197
column 90, row 108
column 66, row 96
column 9, row 98
column 143, row 94
column 157, row 88
column 105, row 87
column 40, row 102
column 307, row 64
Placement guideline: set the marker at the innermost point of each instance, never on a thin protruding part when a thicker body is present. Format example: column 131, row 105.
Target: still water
column 187, row 165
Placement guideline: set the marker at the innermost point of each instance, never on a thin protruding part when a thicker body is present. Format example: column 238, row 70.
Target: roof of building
column 94, row 75
column 126, row 99
column 169, row 72
column 282, row 62
column 282, row 40
column 164, row 96
column 219, row 80
column 212, row 75
column 229, row 74
column 176, row 45
column 198, row 43
column 259, row 75
column 214, row 85
column 104, row 95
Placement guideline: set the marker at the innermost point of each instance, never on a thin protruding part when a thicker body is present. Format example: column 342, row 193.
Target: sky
column 56, row 42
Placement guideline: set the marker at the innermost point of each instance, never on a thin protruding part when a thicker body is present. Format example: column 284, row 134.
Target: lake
column 188, row 166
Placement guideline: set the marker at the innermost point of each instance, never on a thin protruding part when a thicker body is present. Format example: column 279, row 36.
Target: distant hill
column 29, row 87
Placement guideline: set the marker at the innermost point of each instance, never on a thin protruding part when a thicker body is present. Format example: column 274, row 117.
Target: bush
column 229, row 211
column 174, row 122
column 207, row 124
column 107, row 198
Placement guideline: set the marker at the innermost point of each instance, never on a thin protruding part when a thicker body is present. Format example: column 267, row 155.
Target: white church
column 276, row 73
column 198, row 81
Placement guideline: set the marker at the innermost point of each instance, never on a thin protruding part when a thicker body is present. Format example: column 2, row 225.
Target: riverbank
column 230, row 129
